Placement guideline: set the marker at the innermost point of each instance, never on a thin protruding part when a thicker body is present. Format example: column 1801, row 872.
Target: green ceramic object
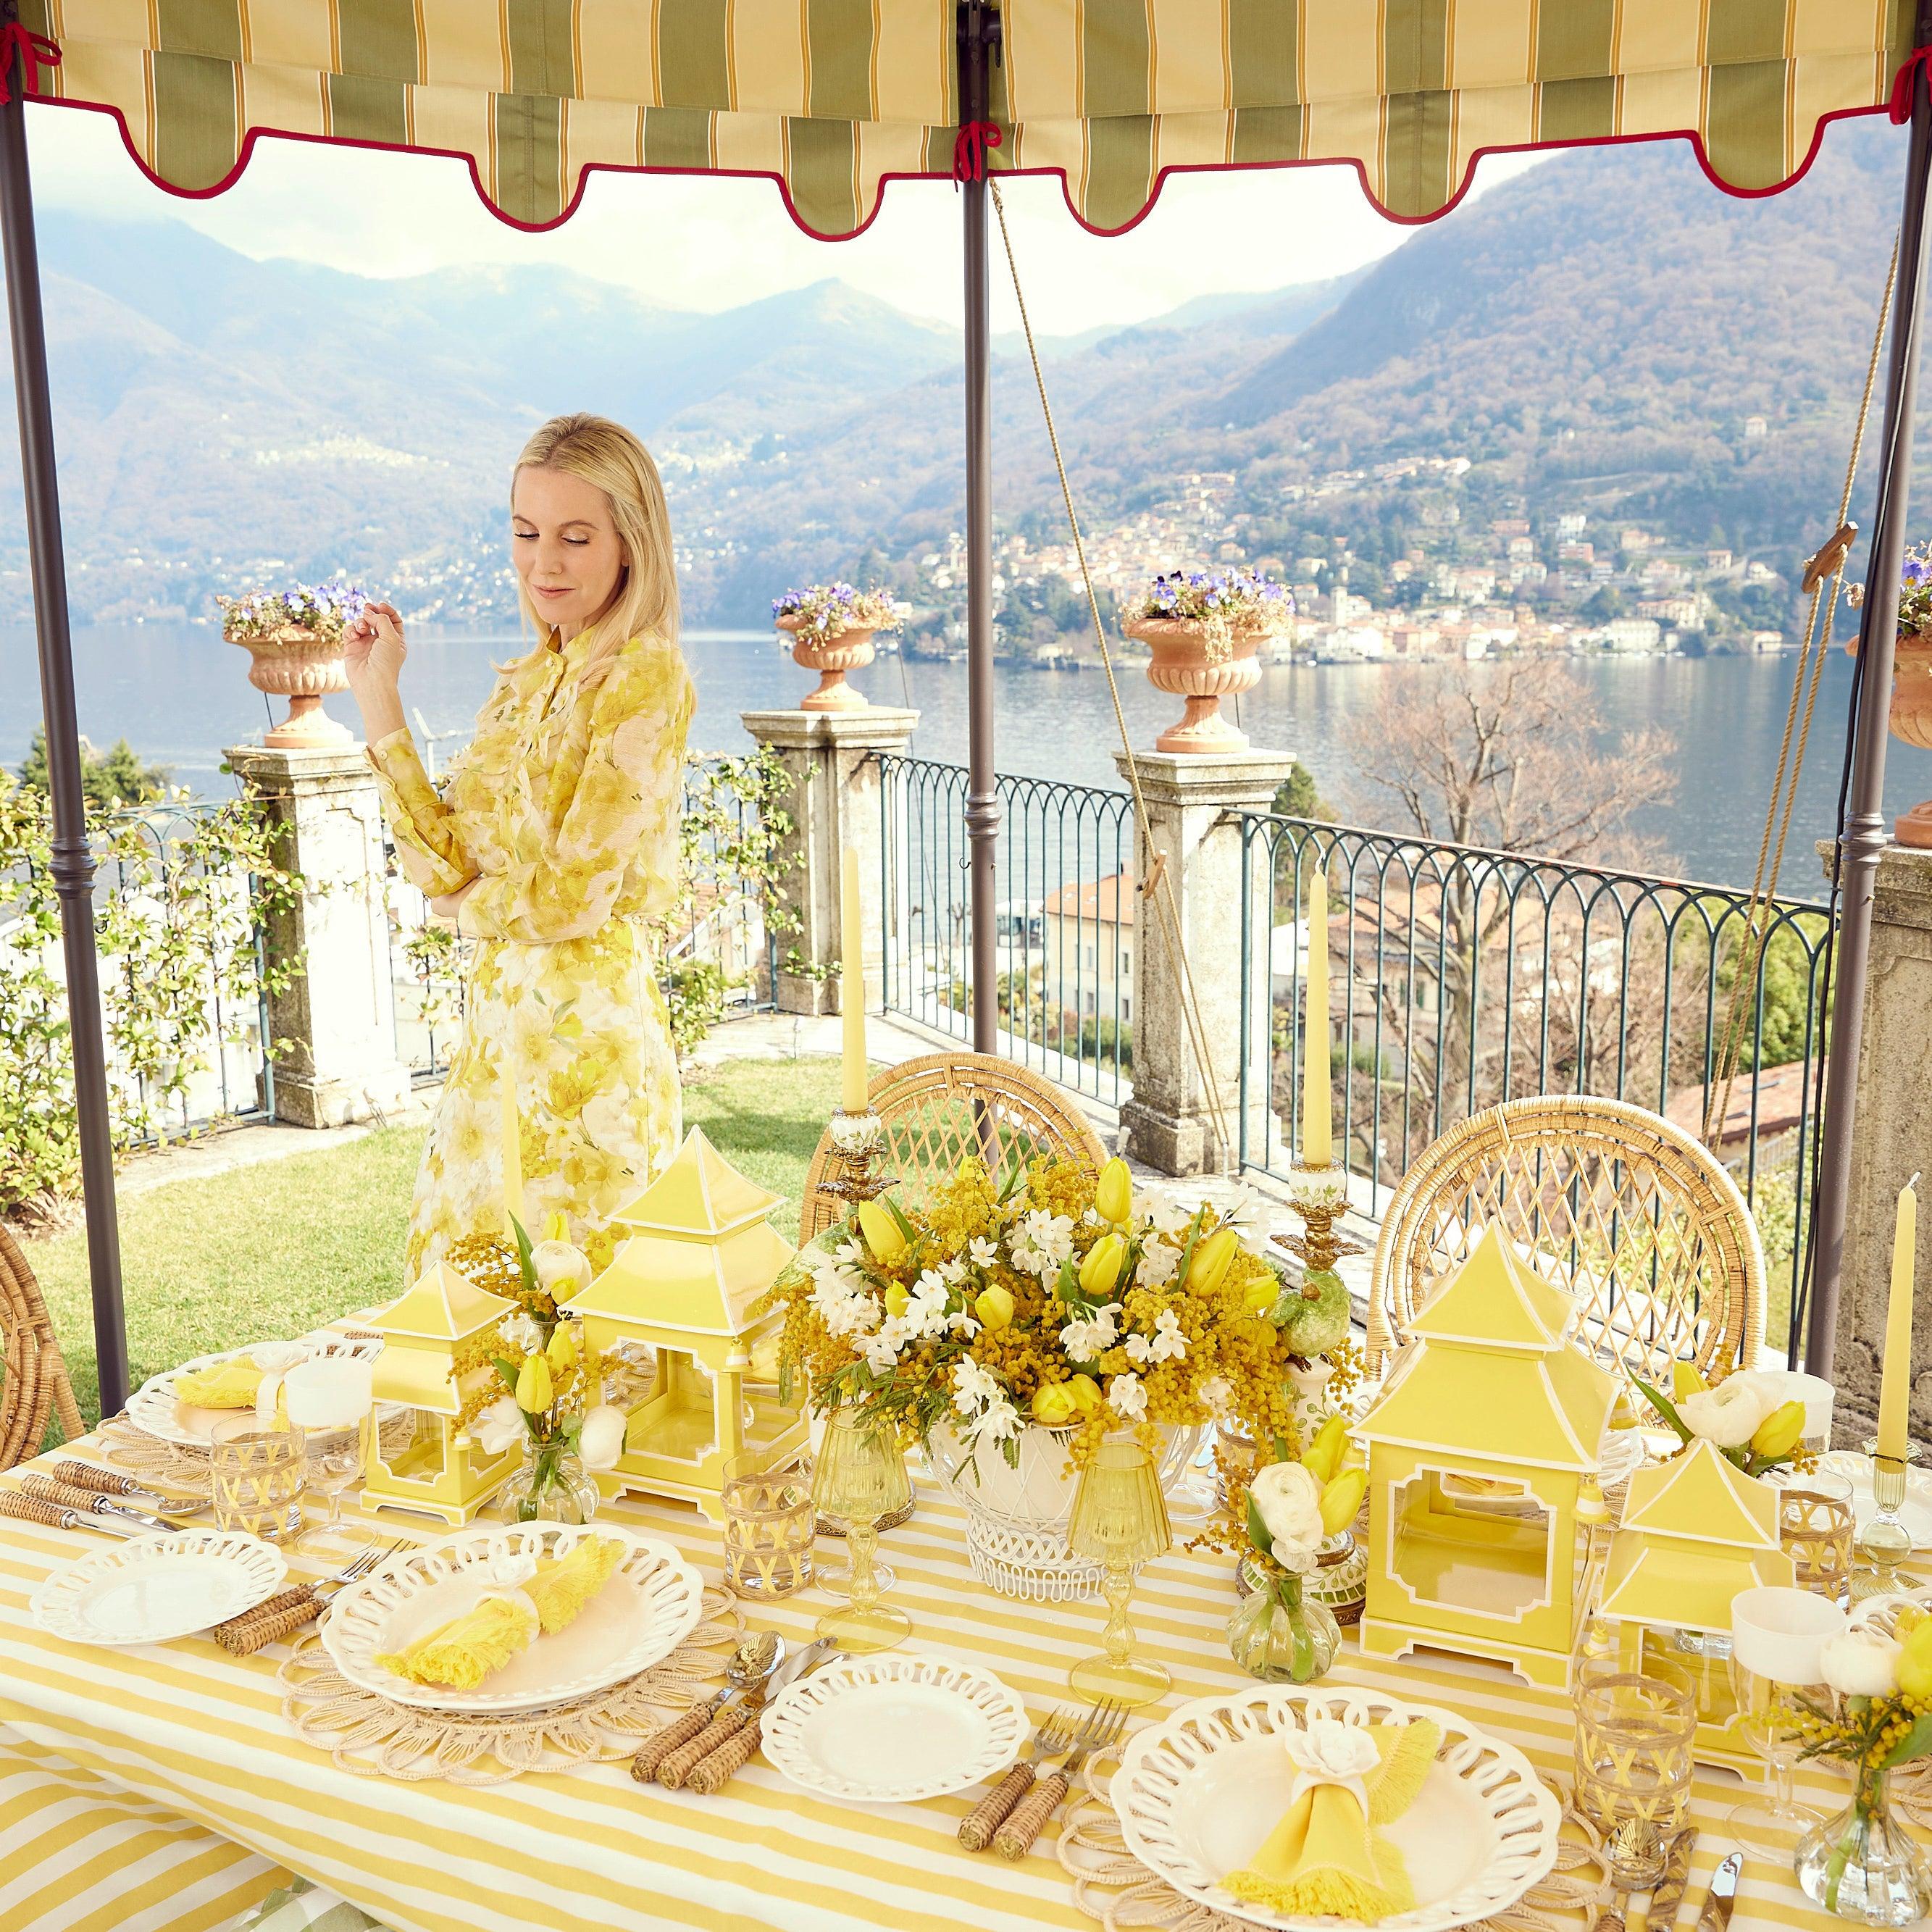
column 1318, row 1323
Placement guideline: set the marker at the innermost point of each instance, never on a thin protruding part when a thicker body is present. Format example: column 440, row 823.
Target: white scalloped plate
column 152, row 1407
column 1199, row 1794
column 893, row 1730
column 156, row 1589
column 651, row 1604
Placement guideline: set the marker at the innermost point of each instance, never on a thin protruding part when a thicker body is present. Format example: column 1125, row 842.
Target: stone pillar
column 1891, row 1140
column 1191, row 800
column 338, row 1015
column 837, row 801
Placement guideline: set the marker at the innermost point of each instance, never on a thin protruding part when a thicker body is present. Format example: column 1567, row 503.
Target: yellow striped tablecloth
column 160, row 1789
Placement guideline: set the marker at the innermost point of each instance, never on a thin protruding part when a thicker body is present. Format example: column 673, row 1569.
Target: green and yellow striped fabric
column 834, row 97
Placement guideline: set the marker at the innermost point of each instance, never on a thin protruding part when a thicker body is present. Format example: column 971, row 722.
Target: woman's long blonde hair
column 607, row 454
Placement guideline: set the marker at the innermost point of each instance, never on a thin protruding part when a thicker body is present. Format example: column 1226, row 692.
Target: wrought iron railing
column 1065, row 934
column 1461, row 977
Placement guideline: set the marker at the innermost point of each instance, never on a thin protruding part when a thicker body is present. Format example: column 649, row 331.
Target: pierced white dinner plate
column 156, row 1589
column 1197, row 1795
column 893, row 1730
column 651, row 1604
column 1915, row 1517
column 153, row 1408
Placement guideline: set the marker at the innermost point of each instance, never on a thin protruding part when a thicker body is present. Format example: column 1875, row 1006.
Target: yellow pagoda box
column 697, row 1253
column 437, row 1341
column 1483, row 1433
column 1696, row 1531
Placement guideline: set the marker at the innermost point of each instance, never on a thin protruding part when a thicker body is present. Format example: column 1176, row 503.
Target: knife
column 821, row 1651
column 1669, row 1893
column 1716, row 1915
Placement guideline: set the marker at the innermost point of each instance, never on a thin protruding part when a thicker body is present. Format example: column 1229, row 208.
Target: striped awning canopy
column 834, row 98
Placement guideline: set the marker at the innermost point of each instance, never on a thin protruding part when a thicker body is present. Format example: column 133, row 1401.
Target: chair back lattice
column 937, row 1111
column 1627, row 1211
column 34, row 1382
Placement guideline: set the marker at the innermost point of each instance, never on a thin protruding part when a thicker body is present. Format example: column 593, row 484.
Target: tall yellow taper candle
column 1318, row 1147
column 1895, row 1392
column 513, row 1160
column 852, row 990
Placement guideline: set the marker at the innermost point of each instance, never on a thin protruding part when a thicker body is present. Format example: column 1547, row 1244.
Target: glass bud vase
column 551, row 1486
column 1863, row 1865
column 1282, row 1635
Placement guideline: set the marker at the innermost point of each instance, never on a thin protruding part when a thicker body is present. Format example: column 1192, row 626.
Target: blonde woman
column 553, row 844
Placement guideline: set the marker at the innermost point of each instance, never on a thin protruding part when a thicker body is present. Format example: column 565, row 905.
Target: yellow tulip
column 533, row 1385
column 1777, row 1434
column 881, row 1232
column 994, row 1307
column 1685, row 1380
column 896, row 1298
column 1086, row 1392
column 557, row 1228
column 1342, row 1499
column 1114, row 1192
column 1211, row 1258
column 1323, row 1459
column 1054, row 1405
column 563, row 1353
column 1262, row 1293
column 1101, row 1268
column 1915, row 1661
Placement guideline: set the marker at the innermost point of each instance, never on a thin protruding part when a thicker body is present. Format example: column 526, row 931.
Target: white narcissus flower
column 1287, row 1499
column 1861, row 1663
column 500, row 1427
column 1127, row 1397
column 1160, row 1261
column 601, row 1441
column 1727, row 1415
column 982, row 1251
column 561, row 1266
column 1216, row 1392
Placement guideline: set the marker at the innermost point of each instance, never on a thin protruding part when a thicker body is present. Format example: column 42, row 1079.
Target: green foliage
column 694, row 991
column 1796, row 1012
column 181, row 974
column 1298, row 796
column 108, row 779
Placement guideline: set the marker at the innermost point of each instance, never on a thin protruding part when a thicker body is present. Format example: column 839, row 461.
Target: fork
column 1054, row 1736
column 282, row 1615
column 1104, row 1725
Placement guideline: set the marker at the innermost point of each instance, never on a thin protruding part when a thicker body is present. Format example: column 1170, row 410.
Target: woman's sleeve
column 428, row 847
column 620, row 816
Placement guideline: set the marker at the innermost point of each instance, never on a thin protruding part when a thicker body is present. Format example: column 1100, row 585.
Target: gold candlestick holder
column 860, row 1142
column 1320, row 1196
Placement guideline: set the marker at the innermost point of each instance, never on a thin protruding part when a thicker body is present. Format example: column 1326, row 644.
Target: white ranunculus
column 562, row 1267
column 1288, row 1500
column 1727, row 1415
column 500, row 1426
column 277, row 1358
column 507, row 1571
column 601, row 1441
column 1861, row 1663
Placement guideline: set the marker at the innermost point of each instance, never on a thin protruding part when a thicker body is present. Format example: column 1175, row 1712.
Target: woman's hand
column 372, row 656
column 447, row 905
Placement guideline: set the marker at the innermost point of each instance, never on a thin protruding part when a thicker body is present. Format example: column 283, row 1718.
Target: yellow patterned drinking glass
column 1634, row 1736
column 1120, row 1518
column 859, row 1476
column 257, row 1472
column 768, row 1520
column 1815, row 1524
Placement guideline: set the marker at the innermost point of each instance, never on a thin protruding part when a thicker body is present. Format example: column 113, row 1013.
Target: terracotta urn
column 850, row 650
column 301, row 665
column 1183, row 666
column 1911, row 720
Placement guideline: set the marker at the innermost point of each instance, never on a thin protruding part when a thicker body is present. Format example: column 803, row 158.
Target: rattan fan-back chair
column 34, row 1382
column 1629, row 1212
column 937, row 1111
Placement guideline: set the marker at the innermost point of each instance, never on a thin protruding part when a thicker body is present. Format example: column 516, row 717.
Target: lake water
column 179, row 694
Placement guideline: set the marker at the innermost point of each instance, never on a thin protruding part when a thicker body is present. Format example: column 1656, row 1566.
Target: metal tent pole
column 1864, row 835
column 72, row 860
column 979, row 24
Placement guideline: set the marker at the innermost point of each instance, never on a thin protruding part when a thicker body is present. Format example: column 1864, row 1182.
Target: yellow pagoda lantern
column 697, row 1253
column 1696, row 1531
column 436, row 1345
column 1478, row 1445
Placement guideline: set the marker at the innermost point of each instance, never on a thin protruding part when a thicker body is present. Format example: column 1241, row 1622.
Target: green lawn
column 274, row 1248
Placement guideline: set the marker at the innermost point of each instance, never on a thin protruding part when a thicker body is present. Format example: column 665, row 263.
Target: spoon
column 756, row 1658
column 1635, row 1856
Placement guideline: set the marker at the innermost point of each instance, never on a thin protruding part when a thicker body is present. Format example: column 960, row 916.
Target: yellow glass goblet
column 860, row 1476
column 1120, row 1518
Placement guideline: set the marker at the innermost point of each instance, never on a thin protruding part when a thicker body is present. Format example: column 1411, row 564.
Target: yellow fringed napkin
column 227, row 1385
column 563, row 1585
column 1327, row 1856
column 465, row 1650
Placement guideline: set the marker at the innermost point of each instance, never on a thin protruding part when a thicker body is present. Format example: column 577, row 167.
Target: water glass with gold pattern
column 256, row 1473
column 768, row 1520
column 1816, row 1522
column 1634, row 1736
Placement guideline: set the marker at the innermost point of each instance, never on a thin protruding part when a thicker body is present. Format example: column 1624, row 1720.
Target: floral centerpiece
column 544, row 1394
column 319, row 613
column 294, row 638
column 1221, row 605
column 1740, row 1415
column 1203, row 628
column 831, row 626
column 1863, row 1865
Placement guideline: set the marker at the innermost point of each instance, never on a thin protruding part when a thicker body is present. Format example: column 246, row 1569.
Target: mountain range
column 1598, row 330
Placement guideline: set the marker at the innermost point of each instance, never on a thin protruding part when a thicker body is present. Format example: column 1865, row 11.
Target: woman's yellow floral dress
column 564, row 809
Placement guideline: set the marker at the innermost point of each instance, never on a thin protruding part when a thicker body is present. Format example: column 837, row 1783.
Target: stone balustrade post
column 1193, row 800
column 1891, row 1141
column 838, row 800
column 338, row 1016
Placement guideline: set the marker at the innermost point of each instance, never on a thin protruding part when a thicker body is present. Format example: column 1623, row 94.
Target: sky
column 712, row 244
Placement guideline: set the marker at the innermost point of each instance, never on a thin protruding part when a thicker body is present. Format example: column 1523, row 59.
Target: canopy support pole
column 979, row 26
column 1864, row 835
column 73, row 865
